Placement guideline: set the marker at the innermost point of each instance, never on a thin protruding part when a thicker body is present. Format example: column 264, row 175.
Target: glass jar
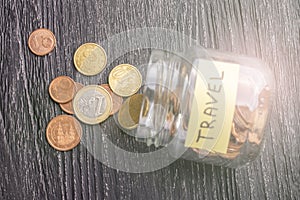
column 205, row 105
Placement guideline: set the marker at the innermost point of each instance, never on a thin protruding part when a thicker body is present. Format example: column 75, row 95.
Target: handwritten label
column 208, row 127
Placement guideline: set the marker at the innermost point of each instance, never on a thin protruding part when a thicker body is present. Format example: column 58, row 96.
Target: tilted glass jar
column 206, row 105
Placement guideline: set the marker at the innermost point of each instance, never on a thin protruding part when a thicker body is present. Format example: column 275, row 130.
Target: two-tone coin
column 129, row 113
column 68, row 107
column 64, row 132
column 117, row 100
column 90, row 59
column 92, row 104
column 41, row 41
column 125, row 80
column 62, row 89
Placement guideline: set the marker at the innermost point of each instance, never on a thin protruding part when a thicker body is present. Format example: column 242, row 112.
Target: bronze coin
column 41, row 41
column 117, row 100
column 62, row 89
column 231, row 155
column 63, row 132
column 254, row 138
column 68, row 107
column 240, row 136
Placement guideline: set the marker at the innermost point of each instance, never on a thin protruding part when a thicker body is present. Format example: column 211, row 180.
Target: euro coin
column 135, row 106
column 90, row 59
column 92, row 104
column 123, row 117
column 62, row 89
column 64, row 132
column 68, row 107
column 117, row 100
column 41, row 41
column 129, row 113
column 125, row 80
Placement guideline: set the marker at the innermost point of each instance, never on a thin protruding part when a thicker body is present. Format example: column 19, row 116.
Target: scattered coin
column 68, row 107
column 92, row 104
column 117, row 100
column 64, row 132
column 125, row 80
column 41, row 41
column 62, row 89
column 129, row 113
column 90, row 59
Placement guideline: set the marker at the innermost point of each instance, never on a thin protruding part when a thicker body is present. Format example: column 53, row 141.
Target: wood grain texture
column 31, row 169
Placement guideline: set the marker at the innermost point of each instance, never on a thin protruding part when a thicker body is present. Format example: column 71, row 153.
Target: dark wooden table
column 31, row 169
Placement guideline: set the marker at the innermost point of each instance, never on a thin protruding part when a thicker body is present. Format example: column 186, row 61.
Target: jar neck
column 168, row 83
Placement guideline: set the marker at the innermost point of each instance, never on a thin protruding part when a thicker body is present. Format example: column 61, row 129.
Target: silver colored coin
column 92, row 104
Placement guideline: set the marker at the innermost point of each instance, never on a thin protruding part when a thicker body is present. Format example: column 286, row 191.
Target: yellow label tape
column 208, row 128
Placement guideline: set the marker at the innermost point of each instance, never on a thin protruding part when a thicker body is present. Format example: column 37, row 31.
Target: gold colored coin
column 41, row 41
column 62, row 89
column 135, row 106
column 125, row 80
column 129, row 113
column 90, row 59
column 68, row 107
column 63, row 132
column 92, row 104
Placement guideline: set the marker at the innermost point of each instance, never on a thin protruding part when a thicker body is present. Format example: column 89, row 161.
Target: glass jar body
column 172, row 91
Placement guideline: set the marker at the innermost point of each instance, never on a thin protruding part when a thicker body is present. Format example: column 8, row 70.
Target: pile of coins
column 91, row 104
column 247, row 129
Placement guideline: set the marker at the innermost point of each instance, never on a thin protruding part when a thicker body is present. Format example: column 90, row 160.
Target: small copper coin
column 41, row 41
column 117, row 100
column 230, row 156
column 68, row 107
column 62, row 89
column 240, row 136
column 63, row 132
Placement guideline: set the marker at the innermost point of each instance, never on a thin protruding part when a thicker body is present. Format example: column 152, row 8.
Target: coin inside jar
column 41, row 41
column 125, row 80
column 117, row 100
column 129, row 113
column 92, row 104
column 63, row 132
column 62, row 89
column 68, row 107
column 90, row 59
